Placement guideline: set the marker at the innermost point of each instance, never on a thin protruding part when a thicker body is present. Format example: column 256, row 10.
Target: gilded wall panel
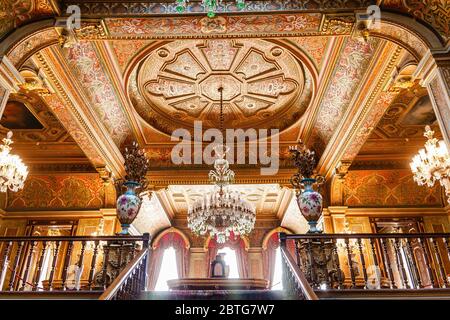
column 59, row 192
column 388, row 188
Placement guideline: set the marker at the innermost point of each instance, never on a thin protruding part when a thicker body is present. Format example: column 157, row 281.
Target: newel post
column 146, row 245
column 282, row 237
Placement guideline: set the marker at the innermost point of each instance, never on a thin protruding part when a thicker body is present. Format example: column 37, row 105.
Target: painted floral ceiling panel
column 264, row 85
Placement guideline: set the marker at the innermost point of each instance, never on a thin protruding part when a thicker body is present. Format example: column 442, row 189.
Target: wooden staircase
column 214, row 295
column 385, row 294
column 50, row 295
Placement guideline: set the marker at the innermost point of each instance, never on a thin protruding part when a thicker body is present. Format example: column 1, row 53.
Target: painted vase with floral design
column 310, row 204
column 128, row 205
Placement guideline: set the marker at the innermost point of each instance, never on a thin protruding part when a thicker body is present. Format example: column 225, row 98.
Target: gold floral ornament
column 129, row 203
column 310, row 202
column 305, row 161
column 136, row 166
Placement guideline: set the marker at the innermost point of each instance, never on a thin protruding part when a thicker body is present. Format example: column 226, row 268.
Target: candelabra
column 13, row 172
column 432, row 163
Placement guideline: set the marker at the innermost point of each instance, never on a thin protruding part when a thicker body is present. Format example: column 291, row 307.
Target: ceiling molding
column 355, row 117
column 112, row 69
column 335, row 48
column 67, row 85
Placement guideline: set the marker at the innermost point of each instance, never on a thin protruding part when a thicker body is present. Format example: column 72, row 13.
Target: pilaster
column 434, row 74
column 10, row 79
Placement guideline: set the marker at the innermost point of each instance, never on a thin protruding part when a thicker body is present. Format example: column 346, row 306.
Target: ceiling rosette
column 265, row 85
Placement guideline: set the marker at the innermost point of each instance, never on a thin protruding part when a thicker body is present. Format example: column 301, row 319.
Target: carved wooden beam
column 325, row 75
column 434, row 73
column 10, row 79
column 112, row 69
column 364, row 112
column 71, row 107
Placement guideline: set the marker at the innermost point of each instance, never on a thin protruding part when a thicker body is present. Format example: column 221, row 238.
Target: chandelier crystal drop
column 222, row 212
column 211, row 6
column 13, row 172
column 432, row 163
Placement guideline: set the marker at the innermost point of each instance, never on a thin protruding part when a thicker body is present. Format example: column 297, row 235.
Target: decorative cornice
column 158, row 8
column 60, row 167
column 337, row 24
column 158, row 179
column 52, row 214
column 395, row 212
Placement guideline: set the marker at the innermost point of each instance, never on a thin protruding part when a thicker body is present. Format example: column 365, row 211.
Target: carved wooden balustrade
column 131, row 281
column 66, row 264
column 372, row 261
column 295, row 283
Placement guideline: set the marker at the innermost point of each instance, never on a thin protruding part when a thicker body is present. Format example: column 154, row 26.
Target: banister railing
column 294, row 281
column 69, row 263
column 131, row 281
column 372, row 261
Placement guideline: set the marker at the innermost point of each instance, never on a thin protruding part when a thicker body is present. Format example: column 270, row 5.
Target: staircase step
column 386, row 294
column 48, row 295
column 214, row 294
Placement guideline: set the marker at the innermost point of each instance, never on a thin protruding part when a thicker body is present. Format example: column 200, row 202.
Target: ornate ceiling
column 132, row 72
column 399, row 133
column 269, row 200
column 264, row 85
column 39, row 137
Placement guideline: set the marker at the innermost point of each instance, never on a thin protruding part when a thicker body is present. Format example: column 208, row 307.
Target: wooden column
column 434, row 72
column 10, row 79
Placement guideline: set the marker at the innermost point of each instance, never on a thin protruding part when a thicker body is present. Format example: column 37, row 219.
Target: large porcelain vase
column 310, row 204
column 128, row 205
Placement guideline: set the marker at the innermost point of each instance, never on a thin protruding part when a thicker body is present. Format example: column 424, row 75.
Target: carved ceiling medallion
column 265, row 86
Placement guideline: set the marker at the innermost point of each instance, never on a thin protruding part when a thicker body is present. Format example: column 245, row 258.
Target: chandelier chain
column 221, row 212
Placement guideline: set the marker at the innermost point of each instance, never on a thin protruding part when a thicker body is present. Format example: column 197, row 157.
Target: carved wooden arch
column 23, row 42
column 171, row 230
column 410, row 34
column 271, row 233
column 29, row 39
column 244, row 238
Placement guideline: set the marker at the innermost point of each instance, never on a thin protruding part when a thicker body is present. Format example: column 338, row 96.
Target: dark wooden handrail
column 124, row 275
column 74, row 238
column 23, row 265
column 300, row 278
column 363, row 235
column 372, row 261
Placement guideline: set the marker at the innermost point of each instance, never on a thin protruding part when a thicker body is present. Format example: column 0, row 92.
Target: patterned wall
column 59, row 192
column 16, row 13
column 388, row 188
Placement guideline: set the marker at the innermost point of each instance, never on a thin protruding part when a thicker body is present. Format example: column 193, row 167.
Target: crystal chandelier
column 221, row 212
column 13, row 172
column 432, row 163
column 209, row 5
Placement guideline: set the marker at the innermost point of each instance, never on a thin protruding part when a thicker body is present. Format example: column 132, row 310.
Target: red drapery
column 238, row 245
column 269, row 257
column 171, row 239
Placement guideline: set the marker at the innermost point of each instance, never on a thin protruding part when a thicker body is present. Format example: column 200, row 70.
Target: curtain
column 238, row 245
column 174, row 240
column 269, row 256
